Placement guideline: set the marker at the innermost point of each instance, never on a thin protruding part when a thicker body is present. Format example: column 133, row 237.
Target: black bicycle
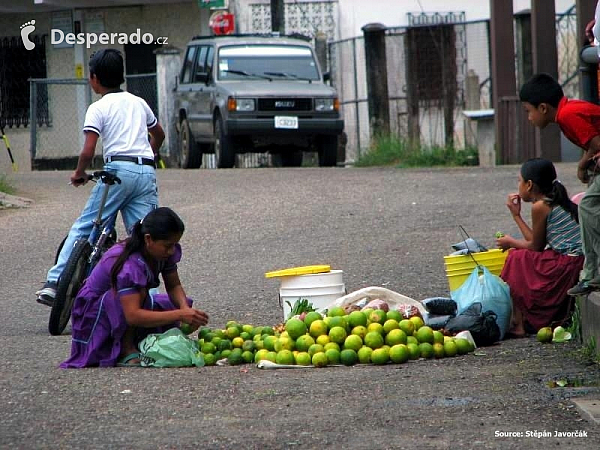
column 85, row 255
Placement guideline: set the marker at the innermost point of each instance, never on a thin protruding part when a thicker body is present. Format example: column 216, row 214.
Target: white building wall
column 354, row 14
column 179, row 22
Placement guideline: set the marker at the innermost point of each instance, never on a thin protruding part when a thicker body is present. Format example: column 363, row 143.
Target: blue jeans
column 135, row 197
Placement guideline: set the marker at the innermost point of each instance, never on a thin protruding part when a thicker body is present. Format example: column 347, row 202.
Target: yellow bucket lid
column 302, row 270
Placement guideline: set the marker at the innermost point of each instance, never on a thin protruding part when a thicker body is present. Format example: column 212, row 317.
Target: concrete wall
column 178, row 22
column 354, row 14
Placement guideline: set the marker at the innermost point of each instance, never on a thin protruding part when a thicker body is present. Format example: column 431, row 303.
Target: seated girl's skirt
column 539, row 282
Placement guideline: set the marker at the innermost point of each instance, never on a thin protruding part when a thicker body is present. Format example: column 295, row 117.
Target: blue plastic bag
column 491, row 291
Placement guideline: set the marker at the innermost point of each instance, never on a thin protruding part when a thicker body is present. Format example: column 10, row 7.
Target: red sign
column 222, row 23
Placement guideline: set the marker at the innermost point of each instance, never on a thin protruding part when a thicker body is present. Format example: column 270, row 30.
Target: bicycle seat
column 106, row 177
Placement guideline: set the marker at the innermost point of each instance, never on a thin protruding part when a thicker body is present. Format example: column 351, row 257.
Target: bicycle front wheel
column 68, row 286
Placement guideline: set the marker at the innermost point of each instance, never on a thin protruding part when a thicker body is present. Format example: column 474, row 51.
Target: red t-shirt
column 578, row 120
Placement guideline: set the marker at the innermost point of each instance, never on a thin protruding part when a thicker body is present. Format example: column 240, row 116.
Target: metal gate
column 472, row 56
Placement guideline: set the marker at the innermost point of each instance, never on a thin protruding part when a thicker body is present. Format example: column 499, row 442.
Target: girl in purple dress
column 114, row 311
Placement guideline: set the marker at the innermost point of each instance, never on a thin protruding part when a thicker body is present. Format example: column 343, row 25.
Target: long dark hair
column 160, row 223
column 543, row 174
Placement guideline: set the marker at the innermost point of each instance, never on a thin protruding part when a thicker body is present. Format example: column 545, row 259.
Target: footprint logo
column 26, row 29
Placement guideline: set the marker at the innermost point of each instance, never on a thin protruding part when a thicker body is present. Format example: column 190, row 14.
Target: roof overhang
column 32, row 6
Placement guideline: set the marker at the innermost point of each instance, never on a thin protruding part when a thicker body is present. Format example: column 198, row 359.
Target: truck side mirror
column 326, row 76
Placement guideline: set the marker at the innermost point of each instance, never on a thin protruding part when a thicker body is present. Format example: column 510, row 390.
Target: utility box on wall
column 482, row 127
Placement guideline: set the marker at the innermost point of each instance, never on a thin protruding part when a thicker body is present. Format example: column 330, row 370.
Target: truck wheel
column 291, row 159
column 189, row 151
column 327, row 147
column 224, row 147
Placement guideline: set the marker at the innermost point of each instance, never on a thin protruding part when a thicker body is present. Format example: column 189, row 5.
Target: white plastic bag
column 393, row 299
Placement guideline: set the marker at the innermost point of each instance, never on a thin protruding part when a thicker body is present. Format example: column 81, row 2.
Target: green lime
column 333, row 356
column 208, row 347
column 295, row 328
column 399, row 354
column 209, row 359
column 348, row 357
column 380, row 356
column 364, row 355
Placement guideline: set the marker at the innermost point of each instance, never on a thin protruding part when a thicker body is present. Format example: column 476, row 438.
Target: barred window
column 17, row 65
column 432, row 60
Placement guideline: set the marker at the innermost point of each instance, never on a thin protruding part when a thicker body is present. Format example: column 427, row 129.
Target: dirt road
column 382, row 227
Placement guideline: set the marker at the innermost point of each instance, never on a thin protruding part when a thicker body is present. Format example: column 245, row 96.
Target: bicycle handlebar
column 106, row 177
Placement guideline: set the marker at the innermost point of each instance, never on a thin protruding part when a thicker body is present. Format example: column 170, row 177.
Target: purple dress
column 97, row 320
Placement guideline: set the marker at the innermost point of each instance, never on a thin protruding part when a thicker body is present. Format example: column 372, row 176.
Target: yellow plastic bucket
column 459, row 267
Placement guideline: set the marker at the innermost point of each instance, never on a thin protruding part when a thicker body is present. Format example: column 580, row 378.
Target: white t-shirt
column 122, row 120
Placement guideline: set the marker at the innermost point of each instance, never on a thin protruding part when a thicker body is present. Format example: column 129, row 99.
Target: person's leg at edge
column 589, row 220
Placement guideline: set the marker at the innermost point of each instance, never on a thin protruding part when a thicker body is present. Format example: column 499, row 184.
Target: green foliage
column 590, row 351
column 575, row 327
column 393, row 151
column 5, row 186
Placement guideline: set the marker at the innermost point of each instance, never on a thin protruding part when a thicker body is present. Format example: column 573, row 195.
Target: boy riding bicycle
column 123, row 121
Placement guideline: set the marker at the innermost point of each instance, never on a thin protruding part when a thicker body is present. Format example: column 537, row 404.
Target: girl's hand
column 194, row 317
column 504, row 242
column 514, row 204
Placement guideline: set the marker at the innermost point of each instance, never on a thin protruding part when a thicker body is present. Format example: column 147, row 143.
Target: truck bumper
column 242, row 126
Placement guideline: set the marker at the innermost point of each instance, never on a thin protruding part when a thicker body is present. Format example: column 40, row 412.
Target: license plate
column 289, row 122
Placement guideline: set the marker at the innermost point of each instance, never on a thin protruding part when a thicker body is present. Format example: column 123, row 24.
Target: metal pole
column 356, row 104
column 32, row 119
column 588, row 68
column 585, row 13
column 503, row 67
column 377, row 81
column 545, row 59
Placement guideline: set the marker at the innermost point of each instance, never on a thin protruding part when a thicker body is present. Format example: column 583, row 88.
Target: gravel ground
column 382, row 227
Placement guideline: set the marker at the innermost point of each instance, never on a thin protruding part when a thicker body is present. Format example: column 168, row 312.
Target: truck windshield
column 294, row 61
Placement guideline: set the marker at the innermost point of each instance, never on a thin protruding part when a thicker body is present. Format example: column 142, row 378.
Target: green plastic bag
column 170, row 349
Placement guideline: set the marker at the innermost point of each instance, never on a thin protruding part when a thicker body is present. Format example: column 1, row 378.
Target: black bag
column 482, row 326
column 437, row 322
column 441, row 306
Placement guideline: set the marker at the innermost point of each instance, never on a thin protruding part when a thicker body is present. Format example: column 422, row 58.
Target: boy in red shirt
column 579, row 121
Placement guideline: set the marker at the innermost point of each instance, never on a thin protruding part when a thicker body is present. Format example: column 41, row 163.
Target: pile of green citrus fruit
column 361, row 337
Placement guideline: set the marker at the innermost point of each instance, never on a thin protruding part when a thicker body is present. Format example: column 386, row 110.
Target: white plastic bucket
column 320, row 289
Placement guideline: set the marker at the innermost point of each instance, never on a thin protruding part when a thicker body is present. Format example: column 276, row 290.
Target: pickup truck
column 239, row 94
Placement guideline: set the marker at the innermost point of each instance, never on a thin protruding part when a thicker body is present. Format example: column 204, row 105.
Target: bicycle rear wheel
column 62, row 244
column 70, row 281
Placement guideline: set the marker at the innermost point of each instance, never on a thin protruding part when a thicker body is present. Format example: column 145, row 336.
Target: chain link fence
column 60, row 105
column 463, row 47
column 424, row 60
column 56, row 142
column 144, row 86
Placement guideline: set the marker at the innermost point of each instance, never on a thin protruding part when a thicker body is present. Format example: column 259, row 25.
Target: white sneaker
column 47, row 294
